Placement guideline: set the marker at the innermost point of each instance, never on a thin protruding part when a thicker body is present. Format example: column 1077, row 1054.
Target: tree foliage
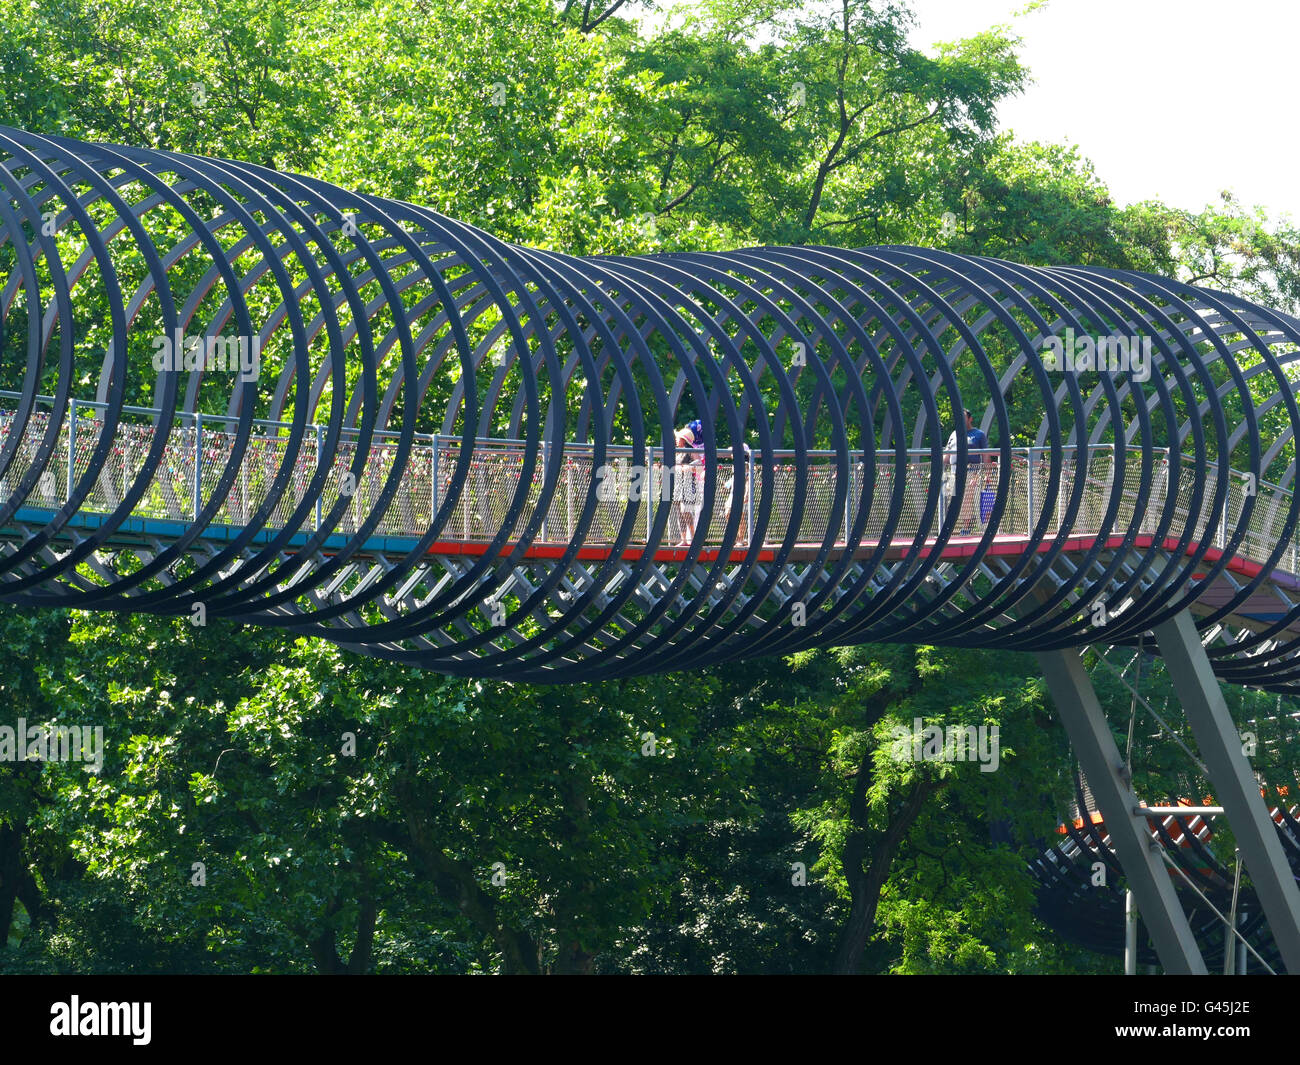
column 274, row 805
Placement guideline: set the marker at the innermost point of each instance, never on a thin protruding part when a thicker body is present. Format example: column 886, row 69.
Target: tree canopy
column 277, row 805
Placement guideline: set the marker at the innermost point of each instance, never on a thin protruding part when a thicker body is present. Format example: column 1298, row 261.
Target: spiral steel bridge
column 392, row 430
column 231, row 392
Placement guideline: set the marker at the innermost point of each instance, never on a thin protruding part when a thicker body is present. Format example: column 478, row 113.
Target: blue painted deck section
column 167, row 529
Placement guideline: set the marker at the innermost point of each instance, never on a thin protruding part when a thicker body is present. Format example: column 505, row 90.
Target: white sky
column 1170, row 99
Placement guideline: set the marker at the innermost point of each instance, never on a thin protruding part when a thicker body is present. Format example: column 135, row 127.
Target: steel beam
column 1234, row 781
column 1090, row 735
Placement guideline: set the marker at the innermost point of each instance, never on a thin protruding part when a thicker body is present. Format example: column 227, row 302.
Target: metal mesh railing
column 802, row 506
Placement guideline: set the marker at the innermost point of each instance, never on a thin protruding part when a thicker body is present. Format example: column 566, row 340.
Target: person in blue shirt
column 976, row 440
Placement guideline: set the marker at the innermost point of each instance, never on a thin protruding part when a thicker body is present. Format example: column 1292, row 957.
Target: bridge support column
column 1162, row 913
column 1235, row 786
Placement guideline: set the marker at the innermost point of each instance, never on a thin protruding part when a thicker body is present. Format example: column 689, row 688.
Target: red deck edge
column 957, row 548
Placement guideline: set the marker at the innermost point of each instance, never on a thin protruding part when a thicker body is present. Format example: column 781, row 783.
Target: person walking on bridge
column 688, row 480
column 976, row 440
column 739, row 476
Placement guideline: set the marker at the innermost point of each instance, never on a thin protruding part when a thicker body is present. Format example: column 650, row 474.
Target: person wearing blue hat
column 688, row 481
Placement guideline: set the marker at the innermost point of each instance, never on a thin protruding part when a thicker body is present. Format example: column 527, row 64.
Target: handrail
column 407, row 514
